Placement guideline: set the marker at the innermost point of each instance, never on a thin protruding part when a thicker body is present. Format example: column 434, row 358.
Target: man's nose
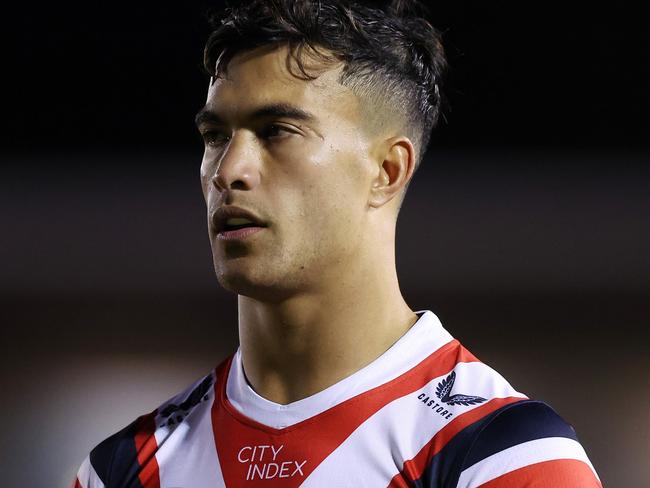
column 238, row 166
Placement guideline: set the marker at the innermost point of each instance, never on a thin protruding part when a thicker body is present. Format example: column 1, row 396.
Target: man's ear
column 395, row 169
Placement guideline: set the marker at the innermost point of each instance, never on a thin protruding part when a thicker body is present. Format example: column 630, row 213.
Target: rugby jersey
column 426, row 413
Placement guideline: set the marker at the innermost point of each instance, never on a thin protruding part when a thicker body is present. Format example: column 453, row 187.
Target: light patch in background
column 61, row 408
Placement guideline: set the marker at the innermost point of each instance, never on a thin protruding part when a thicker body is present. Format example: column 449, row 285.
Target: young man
column 316, row 118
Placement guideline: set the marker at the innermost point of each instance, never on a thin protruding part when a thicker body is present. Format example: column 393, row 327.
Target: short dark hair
column 393, row 57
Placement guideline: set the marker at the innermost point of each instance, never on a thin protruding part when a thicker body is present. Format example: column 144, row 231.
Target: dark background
column 525, row 230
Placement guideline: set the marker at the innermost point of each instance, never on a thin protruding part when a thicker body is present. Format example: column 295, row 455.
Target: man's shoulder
column 472, row 382
column 523, row 442
column 491, row 430
column 123, row 455
column 516, row 423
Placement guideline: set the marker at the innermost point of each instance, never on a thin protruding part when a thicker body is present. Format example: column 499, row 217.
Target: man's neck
column 299, row 347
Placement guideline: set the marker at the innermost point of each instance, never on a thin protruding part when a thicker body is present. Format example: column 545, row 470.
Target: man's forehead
column 277, row 62
column 270, row 76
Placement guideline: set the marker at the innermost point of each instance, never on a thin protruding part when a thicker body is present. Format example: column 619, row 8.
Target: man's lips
column 243, row 233
column 222, row 214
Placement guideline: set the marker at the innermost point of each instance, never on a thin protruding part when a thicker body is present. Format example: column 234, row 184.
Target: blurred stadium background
column 525, row 230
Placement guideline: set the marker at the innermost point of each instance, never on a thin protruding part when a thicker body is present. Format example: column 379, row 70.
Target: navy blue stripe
column 115, row 459
column 508, row 426
column 445, row 467
column 528, row 421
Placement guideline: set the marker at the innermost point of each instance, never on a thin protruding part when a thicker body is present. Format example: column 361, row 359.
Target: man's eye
column 275, row 130
column 214, row 137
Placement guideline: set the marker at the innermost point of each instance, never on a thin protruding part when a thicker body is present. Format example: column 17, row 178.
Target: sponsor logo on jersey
column 265, row 462
column 443, row 391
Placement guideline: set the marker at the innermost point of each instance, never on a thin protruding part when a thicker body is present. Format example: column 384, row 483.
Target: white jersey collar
column 421, row 340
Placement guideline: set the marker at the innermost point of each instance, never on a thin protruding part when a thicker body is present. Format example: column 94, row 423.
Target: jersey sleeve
column 123, row 459
column 128, row 457
column 527, row 445
column 87, row 476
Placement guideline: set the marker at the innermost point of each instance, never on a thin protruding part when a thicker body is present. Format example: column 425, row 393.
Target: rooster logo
column 444, row 388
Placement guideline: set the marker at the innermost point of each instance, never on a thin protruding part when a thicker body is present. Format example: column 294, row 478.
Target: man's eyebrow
column 206, row 116
column 285, row 110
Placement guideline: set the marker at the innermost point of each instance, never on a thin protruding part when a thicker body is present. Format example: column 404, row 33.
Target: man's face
column 306, row 174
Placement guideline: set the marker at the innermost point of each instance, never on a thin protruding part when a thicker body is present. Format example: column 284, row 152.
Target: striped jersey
column 426, row 413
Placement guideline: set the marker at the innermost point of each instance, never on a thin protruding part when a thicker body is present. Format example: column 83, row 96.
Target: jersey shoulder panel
column 87, row 476
column 128, row 457
column 457, row 398
column 493, row 430
column 115, row 458
column 523, row 442
column 515, row 424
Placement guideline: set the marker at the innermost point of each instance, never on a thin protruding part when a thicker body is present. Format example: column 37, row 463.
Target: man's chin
column 262, row 288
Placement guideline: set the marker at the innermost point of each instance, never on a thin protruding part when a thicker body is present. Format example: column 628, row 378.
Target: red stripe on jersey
column 414, row 468
column 250, row 451
column 399, row 482
column 559, row 473
column 146, row 447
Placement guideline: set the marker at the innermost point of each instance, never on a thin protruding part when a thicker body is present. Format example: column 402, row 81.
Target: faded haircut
column 393, row 59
